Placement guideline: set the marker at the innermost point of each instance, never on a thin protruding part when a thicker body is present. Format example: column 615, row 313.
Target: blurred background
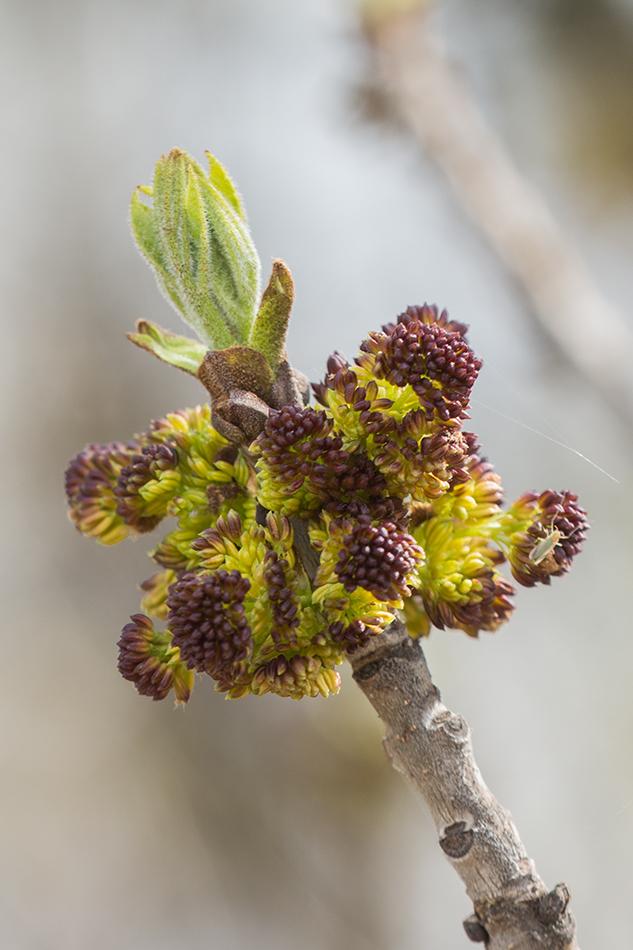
column 266, row 823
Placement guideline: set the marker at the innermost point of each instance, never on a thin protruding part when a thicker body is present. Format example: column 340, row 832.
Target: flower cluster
column 209, row 625
column 313, row 471
column 151, row 661
column 542, row 534
column 91, row 479
column 290, row 553
column 436, row 363
column 379, row 559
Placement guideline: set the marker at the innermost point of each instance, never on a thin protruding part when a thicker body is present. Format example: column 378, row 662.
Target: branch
column 432, row 748
column 429, row 97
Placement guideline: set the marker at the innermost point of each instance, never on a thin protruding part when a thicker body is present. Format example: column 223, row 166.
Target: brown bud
column 475, row 930
column 240, row 416
column 553, row 905
column 236, row 367
column 457, row 840
column 290, row 388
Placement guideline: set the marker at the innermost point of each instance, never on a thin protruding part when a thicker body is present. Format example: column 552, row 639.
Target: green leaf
column 196, row 239
column 219, row 177
column 180, row 351
column 148, row 239
column 234, row 266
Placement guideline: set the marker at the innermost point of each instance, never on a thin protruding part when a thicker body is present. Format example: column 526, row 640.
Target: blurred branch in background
column 424, row 92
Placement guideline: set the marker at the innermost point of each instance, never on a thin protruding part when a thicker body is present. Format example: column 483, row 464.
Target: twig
column 431, row 746
column 431, row 100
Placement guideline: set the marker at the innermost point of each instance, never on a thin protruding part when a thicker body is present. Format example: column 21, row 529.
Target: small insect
column 546, row 546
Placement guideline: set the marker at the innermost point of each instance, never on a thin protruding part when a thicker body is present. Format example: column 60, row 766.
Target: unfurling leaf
column 180, row 351
column 196, row 239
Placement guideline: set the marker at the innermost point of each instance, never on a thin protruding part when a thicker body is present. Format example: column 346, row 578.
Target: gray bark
column 431, row 747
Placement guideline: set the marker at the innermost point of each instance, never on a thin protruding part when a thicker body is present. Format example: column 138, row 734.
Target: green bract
column 271, row 324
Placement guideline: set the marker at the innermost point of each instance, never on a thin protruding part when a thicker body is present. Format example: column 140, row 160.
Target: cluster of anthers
column 291, row 552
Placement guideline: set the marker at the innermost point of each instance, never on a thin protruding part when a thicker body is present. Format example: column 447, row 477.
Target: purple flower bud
column 428, row 314
column 378, row 559
column 147, row 659
column 301, row 451
column 350, row 636
column 486, row 608
column 142, row 468
column 437, row 364
column 91, row 478
column 209, row 624
column 555, row 536
column 294, row 677
column 283, row 599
